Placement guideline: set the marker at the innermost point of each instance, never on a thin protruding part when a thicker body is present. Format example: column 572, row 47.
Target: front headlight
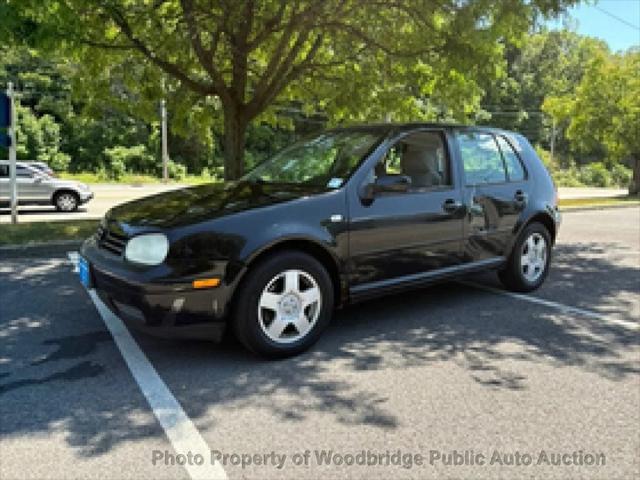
column 149, row 249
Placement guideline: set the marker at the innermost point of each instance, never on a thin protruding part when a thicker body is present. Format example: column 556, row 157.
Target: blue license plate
column 83, row 271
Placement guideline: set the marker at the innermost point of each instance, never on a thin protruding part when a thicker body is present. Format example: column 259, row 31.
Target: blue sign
column 5, row 140
column 5, row 111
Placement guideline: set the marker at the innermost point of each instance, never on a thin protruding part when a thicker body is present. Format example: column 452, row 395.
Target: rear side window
column 481, row 158
column 515, row 170
column 4, row 171
column 23, row 172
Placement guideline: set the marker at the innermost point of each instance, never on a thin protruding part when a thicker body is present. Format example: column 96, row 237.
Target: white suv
column 37, row 188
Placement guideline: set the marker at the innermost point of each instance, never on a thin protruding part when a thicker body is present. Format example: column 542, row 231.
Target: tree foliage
column 549, row 63
column 238, row 59
column 604, row 110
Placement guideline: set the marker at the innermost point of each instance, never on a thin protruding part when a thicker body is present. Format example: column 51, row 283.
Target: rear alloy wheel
column 66, row 202
column 528, row 264
column 533, row 257
column 283, row 305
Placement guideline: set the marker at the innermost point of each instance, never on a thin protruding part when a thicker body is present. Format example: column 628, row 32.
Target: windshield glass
column 326, row 159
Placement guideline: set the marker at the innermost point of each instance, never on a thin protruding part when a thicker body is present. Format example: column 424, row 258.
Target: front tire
column 283, row 305
column 528, row 264
column 66, row 201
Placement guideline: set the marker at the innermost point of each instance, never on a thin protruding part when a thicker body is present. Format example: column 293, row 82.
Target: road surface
column 453, row 371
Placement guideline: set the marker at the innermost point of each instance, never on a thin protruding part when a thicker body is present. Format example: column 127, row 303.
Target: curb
column 595, row 207
column 40, row 246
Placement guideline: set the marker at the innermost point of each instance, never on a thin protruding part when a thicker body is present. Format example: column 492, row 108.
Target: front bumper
column 164, row 310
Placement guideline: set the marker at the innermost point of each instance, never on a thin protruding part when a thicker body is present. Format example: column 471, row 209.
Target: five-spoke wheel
column 283, row 304
column 528, row 263
column 533, row 258
column 289, row 306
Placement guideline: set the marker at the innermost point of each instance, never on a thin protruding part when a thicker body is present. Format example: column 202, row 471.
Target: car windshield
column 326, row 159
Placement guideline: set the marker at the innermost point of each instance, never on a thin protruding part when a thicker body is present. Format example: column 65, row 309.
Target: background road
column 451, row 367
column 107, row 196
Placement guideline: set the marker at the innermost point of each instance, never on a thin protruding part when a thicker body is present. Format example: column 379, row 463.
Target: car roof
column 409, row 126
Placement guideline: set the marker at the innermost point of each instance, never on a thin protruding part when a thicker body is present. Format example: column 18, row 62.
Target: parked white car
column 37, row 188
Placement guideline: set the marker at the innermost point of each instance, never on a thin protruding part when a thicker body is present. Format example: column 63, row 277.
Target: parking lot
column 461, row 369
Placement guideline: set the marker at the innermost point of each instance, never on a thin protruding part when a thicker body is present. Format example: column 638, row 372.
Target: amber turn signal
column 206, row 283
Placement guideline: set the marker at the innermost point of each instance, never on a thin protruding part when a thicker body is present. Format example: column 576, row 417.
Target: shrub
column 175, row 170
column 621, row 175
column 58, row 161
column 566, row 173
column 122, row 159
column 596, row 175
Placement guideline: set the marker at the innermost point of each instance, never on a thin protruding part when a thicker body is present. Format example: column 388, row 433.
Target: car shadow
column 494, row 340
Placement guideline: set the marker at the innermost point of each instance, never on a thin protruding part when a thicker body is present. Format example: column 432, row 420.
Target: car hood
column 205, row 202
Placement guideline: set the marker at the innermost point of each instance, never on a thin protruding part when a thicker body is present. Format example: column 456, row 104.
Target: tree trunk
column 634, row 188
column 235, row 130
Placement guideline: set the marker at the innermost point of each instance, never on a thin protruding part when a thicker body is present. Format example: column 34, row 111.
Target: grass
column 132, row 179
column 569, row 203
column 37, row 232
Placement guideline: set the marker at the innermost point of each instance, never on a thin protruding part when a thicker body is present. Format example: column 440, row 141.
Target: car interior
column 419, row 156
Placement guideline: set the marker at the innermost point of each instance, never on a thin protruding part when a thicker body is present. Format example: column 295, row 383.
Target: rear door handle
column 451, row 205
column 520, row 196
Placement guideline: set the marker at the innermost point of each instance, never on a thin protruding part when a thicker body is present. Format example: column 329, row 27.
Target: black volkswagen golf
column 336, row 218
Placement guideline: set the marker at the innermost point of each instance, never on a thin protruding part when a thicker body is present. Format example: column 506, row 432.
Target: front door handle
column 451, row 205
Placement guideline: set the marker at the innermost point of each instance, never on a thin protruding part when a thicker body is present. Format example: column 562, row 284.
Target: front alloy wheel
column 289, row 306
column 283, row 304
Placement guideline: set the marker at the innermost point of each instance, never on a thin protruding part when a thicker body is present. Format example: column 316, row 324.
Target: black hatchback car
column 339, row 217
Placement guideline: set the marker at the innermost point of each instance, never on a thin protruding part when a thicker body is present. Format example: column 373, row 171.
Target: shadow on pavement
column 493, row 339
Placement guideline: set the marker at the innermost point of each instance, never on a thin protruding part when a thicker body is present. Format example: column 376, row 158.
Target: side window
column 481, row 158
column 515, row 170
column 422, row 157
column 4, row 171
column 22, row 172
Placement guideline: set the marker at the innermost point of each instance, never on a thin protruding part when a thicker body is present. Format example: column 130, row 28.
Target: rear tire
column 528, row 264
column 66, row 201
column 283, row 305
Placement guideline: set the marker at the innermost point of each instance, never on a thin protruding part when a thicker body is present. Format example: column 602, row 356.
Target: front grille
column 111, row 241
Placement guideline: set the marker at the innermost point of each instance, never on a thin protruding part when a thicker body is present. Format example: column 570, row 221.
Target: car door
column 25, row 184
column 31, row 185
column 399, row 236
column 496, row 192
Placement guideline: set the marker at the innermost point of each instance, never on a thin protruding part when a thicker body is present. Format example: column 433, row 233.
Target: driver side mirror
column 386, row 184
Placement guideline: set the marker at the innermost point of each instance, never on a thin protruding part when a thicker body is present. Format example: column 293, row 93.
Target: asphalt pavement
column 459, row 380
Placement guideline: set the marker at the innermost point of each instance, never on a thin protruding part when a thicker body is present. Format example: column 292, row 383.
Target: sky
column 615, row 21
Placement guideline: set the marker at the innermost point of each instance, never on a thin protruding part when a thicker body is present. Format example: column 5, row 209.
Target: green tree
column 549, row 63
column 604, row 111
column 38, row 138
column 356, row 58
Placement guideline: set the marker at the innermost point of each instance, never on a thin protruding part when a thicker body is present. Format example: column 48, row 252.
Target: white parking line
column 556, row 305
column 73, row 256
column 180, row 430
